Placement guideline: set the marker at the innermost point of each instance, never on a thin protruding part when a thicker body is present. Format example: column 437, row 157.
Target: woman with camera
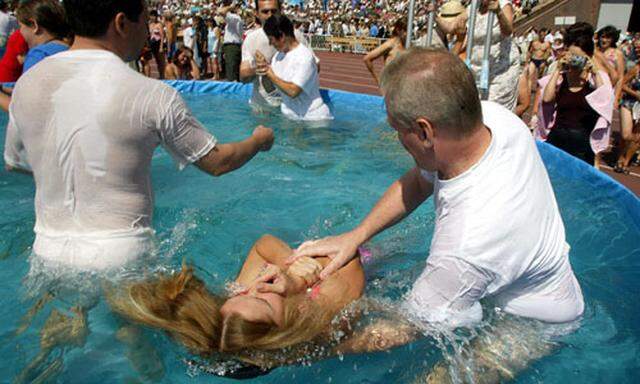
column 577, row 103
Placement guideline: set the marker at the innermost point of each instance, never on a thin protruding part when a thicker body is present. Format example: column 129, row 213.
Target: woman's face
column 605, row 42
column 184, row 58
column 636, row 45
column 256, row 307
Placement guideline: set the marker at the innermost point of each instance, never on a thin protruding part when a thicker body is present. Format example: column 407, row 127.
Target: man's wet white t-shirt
column 498, row 234
column 264, row 92
column 87, row 125
column 298, row 66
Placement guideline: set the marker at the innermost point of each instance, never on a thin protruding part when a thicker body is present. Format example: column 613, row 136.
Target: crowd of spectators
column 202, row 39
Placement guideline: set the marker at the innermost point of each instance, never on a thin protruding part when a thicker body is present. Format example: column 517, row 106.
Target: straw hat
column 452, row 8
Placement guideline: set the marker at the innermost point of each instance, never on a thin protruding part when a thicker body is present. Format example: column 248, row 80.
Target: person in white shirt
column 92, row 164
column 498, row 231
column 8, row 24
column 187, row 35
column 294, row 72
column 264, row 94
column 231, row 48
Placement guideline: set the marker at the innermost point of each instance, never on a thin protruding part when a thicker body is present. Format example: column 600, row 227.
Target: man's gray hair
column 433, row 84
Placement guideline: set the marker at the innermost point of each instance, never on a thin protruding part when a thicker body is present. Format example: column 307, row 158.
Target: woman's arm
column 170, row 72
column 267, row 250
column 505, row 18
column 597, row 77
column 549, row 94
column 372, row 56
column 620, row 68
column 627, row 81
column 524, row 93
column 195, row 71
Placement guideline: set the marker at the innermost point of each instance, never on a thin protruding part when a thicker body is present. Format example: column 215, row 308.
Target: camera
column 577, row 62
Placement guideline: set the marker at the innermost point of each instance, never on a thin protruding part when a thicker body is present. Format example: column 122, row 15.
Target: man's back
column 89, row 126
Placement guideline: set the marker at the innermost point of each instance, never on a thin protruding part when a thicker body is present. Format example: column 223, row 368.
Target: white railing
column 352, row 44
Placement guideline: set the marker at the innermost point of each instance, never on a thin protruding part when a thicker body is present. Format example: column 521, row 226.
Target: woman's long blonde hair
column 303, row 320
column 181, row 305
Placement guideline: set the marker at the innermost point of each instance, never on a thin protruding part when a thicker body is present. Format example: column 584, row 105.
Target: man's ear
column 36, row 28
column 120, row 24
column 426, row 131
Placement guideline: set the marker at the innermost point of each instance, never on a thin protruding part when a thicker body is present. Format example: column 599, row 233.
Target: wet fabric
column 504, row 61
column 298, row 66
column 264, row 93
column 498, row 234
column 87, row 125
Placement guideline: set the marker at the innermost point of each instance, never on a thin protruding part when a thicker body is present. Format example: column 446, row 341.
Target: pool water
column 317, row 182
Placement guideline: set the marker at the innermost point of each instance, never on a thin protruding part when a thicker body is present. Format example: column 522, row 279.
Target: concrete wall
column 581, row 10
column 616, row 13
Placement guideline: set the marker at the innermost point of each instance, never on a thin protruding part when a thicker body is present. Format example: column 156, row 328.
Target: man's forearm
column 290, row 89
column 402, row 198
column 225, row 158
column 247, row 73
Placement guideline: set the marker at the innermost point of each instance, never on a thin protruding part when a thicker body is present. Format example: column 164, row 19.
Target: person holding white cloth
column 294, row 72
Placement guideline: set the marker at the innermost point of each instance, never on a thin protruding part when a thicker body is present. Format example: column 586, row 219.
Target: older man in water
column 498, row 232
column 87, row 126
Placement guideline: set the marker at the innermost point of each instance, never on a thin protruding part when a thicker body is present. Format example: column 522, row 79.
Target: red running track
column 347, row 72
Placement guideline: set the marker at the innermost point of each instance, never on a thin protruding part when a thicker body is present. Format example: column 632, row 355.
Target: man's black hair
column 278, row 26
column 92, row 18
column 258, row 6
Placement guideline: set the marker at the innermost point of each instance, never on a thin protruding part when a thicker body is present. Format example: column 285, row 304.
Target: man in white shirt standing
column 92, row 165
column 265, row 94
column 294, row 72
column 498, row 231
column 231, row 47
column 187, row 34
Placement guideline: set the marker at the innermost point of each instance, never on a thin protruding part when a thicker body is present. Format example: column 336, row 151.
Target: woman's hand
column 562, row 63
column 307, row 269
column 494, row 6
column 275, row 280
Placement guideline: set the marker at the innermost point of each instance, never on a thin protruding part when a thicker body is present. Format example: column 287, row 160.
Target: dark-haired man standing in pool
column 498, row 231
column 87, row 126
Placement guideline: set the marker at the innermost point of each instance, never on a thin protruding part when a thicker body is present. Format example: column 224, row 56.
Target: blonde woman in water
column 273, row 305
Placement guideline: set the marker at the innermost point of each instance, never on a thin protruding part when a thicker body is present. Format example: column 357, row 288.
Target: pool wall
column 567, row 165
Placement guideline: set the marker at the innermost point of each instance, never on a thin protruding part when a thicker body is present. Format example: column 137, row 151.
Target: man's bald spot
column 433, row 84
